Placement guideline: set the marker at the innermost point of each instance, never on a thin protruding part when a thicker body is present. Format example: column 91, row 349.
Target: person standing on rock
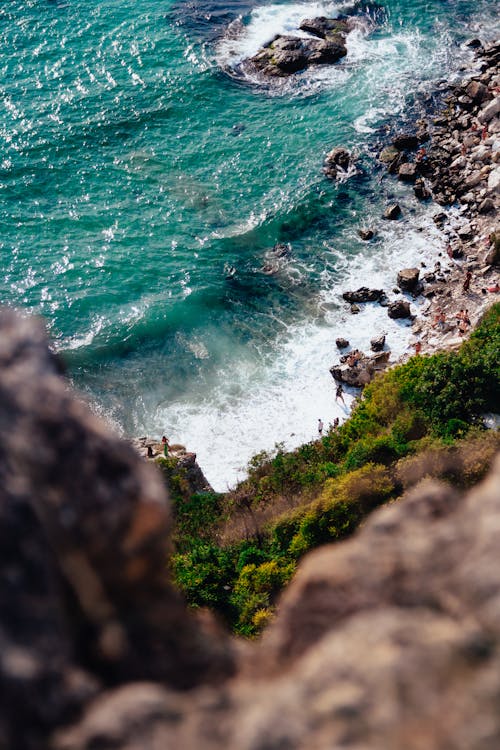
column 339, row 393
column 466, row 284
column 164, row 442
column 320, row 427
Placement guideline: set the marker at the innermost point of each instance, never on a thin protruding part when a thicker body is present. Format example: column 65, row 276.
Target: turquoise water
column 138, row 165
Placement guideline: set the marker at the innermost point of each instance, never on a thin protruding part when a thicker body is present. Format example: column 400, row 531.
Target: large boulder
column 405, row 142
column 286, row 54
column 85, row 597
column 408, row 279
column 326, row 28
column 399, row 309
column 392, row 212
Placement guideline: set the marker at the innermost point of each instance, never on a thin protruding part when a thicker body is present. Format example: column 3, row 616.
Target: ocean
column 145, row 180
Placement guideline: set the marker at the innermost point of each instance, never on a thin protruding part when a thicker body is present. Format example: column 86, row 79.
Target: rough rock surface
column 286, row 54
column 336, row 162
column 408, row 278
column 364, row 294
column 84, row 598
column 388, row 640
column 399, row 309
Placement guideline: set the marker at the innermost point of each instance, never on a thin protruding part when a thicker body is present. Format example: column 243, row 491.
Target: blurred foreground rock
column 85, row 600
column 388, row 640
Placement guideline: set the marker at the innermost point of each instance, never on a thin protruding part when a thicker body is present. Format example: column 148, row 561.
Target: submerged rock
column 338, row 160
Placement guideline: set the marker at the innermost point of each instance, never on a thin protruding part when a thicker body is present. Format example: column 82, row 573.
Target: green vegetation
column 235, row 552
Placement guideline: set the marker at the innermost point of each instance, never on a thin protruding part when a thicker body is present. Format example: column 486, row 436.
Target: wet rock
column 399, row 309
column 405, row 142
column 377, row 343
column 408, row 279
column 325, row 28
column 392, row 212
column 341, row 343
column 474, row 43
column 338, row 159
column 355, row 309
column 388, row 155
column 286, row 55
column 366, row 234
column 421, row 191
column 407, row 172
column 364, row 294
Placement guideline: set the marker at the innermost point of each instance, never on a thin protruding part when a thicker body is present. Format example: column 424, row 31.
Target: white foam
column 254, row 408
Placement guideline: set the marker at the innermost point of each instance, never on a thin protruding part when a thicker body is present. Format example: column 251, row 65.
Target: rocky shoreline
column 452, row 158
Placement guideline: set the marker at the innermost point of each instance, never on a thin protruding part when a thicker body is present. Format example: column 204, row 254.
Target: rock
column 489, row 111
column 486, row 206
column 366, row 234
column 377, row 343
column 421, row 191
column 405, row 142
column 355, row 309
column 388, row 155
column 325, row 28
column 337, row 159
column 85, row 599
column 408, row 279
column 286, row 55
column 399, row 309
column 364, row 294
column 392, row 212
column 341, row 343
column 474, row 43
column 407, row 172
column 477, row 91
column 494, row 181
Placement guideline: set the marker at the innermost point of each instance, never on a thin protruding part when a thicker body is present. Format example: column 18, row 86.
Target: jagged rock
column 364, row 294
column 477, row 91
column 366, row 234
column 377, row 343
column 421, row 191
column 489, row 111
column 399, row 309
column 286, row 55
column 408, row 279
column 494, row 181
column 355, row 309
column 337, row 158
column 486, row 206
column 84, row 525
column 405, row 142
column 325, row 28
column 341, row 343
column 407, row 172
column 392, row 212
column 388, row 155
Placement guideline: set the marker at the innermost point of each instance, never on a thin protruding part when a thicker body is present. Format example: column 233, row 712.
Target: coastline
column 457, row 217
column 463, row 177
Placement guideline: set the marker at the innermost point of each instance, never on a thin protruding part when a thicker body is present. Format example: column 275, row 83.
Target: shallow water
column 139, row 165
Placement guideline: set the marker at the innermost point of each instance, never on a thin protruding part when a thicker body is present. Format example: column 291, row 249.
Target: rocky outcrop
column 388, row 640
column 286, row 55
column 392, row 212
column 337, row 161
column 85, row 601
column 364, row 294
column 408, row 279
column 359, row 369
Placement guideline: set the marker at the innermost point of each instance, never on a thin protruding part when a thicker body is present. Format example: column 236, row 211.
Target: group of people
column 321, row 426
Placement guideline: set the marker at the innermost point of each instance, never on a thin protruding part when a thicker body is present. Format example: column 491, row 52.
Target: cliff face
column 388, row 640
